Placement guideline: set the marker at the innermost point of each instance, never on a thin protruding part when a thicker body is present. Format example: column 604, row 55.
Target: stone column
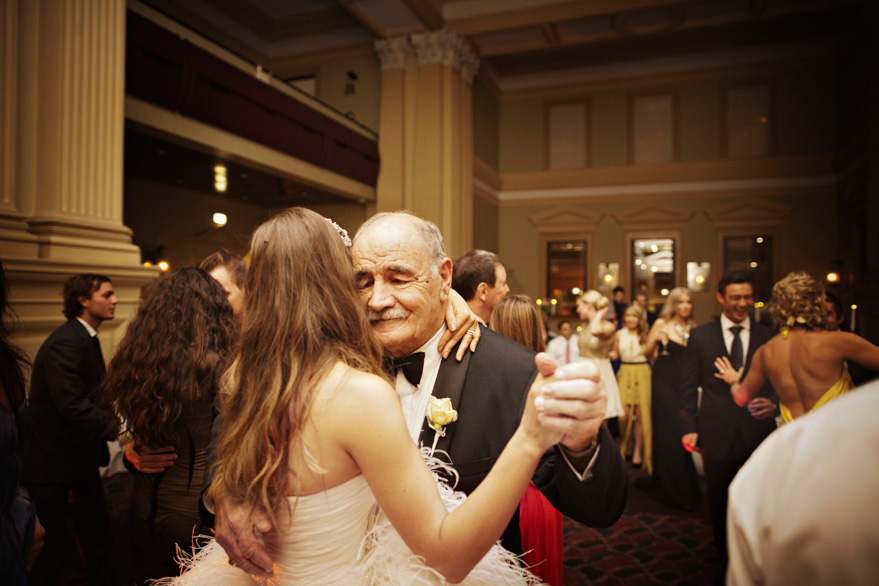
column 426, row 133
column 61, row 167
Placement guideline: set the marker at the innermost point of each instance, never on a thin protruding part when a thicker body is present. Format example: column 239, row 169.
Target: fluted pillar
column 61, row 167
column 426, row 132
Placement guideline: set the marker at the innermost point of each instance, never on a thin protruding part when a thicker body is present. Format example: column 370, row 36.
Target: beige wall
column 486, row 123
column 805, row 240
column 332, row 77
column 486, row 224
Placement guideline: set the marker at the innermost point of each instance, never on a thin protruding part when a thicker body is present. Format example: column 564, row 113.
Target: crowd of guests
column 241, row 394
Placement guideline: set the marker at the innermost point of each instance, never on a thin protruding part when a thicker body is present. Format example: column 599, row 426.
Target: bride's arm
column 451, row 543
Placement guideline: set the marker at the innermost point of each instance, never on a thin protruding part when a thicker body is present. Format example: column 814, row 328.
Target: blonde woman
column 314, row 435
column 596, row 344
column 673, row 481
column 805, row 363
column 633, row 378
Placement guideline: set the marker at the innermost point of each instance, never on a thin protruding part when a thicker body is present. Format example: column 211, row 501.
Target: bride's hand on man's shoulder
column 573, row 401
column 461, row 323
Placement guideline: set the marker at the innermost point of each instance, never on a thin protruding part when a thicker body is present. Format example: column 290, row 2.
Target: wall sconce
column 832, row 277
column 220, row 182
column 698, row 276
column 608, row 275
column 220, row 219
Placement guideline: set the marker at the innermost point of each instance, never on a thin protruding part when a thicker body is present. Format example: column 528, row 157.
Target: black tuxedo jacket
column 489, row 388
column 70, row 430
column 718, row 418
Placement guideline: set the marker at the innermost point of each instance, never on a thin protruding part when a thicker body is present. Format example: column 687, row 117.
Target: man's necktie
column 412, row 366
column 736, row 354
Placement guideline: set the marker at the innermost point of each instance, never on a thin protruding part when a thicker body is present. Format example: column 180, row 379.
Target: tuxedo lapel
column 449, row 383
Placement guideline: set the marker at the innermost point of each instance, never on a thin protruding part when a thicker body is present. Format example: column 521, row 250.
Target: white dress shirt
column 416, row 399
column 559, row 348
column 88, row 327
column 744, row 335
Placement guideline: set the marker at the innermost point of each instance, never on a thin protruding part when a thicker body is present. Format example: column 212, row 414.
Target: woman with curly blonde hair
column 805, row 363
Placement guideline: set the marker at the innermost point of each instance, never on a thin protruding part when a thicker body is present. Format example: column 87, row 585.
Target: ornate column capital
column 393, row 52
column 438, row 47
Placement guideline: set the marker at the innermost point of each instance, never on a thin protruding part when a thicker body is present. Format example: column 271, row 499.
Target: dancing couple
column 318, row 480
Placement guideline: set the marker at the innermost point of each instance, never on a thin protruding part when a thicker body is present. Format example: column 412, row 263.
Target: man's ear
column 445, row 273
column 482, row 291
column 720, row 298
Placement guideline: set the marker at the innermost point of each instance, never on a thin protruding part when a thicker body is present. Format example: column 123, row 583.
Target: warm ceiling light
column 576, row 291
column 164, row 265
column 759, row 240
column 539, row 302
column 754, row 264
column 608, row 278
column 554, row 301
column 220, row 218
column 700, row 279
column 664, row 292
column 832, row 277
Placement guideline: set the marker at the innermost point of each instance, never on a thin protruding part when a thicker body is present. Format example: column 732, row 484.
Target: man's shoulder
column 501, row 352
column 761, row 331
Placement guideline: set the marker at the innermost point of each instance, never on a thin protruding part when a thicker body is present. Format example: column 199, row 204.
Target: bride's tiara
column 342, row 232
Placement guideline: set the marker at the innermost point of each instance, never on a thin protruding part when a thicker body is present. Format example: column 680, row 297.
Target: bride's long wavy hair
column 302, row 315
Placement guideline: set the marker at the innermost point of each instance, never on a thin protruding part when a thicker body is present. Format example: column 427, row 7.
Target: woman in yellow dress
column 633, row 378
column 805, row 363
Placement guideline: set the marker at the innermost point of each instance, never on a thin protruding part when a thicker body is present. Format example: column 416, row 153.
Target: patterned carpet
column 650, row 544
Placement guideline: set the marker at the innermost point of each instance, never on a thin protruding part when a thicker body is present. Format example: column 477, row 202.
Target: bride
column 314, row 435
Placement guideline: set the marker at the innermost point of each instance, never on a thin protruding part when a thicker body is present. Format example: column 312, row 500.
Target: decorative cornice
column 565, row 219
column 653, row 215
column 754, row 212
column 393, row 52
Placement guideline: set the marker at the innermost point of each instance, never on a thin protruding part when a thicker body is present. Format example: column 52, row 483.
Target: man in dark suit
column 404, row 278
column 726, row 432
column 71, row 430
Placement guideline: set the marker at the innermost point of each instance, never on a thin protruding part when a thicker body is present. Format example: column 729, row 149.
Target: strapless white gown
column 339, row 537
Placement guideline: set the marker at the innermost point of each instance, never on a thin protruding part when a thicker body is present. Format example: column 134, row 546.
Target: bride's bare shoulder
column 347, row 386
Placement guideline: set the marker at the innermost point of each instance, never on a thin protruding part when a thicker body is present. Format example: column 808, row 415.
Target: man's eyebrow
column 400, row 269
column 360, row 274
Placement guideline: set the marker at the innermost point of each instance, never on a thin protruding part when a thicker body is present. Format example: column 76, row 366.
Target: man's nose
column 382, row 296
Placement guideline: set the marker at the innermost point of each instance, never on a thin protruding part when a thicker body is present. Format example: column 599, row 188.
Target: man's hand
column 689, row 440
column 239, row 530
column 574, row 402
column 150, row 460
column 761, row 408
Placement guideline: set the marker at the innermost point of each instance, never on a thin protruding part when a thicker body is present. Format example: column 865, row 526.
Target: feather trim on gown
column 340, row 537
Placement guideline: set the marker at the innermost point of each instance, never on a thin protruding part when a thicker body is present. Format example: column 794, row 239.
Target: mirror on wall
column 653, row 266
column 753, row 254
column 565, row 275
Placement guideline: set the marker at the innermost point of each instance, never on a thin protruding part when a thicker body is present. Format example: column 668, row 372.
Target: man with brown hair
column 71, row 429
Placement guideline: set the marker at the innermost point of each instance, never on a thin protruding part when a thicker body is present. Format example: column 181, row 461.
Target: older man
column 404, row 279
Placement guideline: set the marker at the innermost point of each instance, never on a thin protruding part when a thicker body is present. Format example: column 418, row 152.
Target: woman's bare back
column 803, row 366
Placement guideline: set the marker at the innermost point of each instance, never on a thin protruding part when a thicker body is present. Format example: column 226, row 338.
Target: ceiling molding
column 427, row 13
column 542, row 13
column 805, row 166
column 551, row 90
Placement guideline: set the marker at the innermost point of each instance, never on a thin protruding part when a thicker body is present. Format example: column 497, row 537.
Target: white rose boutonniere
column 439, row 415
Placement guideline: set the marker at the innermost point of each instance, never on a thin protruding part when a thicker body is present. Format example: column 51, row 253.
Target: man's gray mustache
column 393, row 313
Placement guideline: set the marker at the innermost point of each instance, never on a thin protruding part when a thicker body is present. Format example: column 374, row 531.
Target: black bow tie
column 412, row 366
